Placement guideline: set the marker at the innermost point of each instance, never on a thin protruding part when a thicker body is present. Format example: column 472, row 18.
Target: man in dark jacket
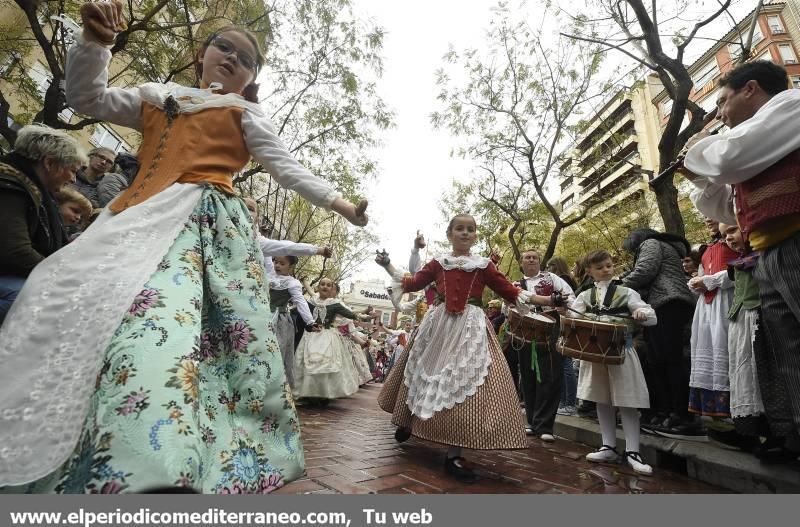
column 101, row 160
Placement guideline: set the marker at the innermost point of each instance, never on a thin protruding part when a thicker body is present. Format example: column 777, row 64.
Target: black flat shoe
column 402, row 434
column 456, row 468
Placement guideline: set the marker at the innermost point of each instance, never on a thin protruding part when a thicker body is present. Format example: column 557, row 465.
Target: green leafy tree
column 656, row 36
column 515, row 103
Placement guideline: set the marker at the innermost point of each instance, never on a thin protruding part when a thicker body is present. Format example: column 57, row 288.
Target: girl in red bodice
column 454, row 386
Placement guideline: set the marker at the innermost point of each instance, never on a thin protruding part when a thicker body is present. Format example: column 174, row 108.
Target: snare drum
column 531, row 327
column 592, row 341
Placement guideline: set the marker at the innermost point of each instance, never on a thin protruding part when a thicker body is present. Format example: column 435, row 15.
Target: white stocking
column 630, row 425
column 607, row 416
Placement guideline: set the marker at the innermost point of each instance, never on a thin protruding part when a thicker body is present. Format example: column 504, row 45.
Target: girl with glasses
column 158, row 365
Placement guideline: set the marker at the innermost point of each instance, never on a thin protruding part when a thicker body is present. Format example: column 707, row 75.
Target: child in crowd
column 745, row 340
column 709, row 386
column 453, row 385
column 323, row 364
column 283, row 288
column 74, row 207
column 614, row 387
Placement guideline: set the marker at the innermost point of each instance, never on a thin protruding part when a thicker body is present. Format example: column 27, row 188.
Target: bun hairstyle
column 250, row 92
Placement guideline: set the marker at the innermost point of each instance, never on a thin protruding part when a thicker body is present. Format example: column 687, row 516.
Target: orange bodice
column 202, row 147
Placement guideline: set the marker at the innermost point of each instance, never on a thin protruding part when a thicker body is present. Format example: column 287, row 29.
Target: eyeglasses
column 244, row 58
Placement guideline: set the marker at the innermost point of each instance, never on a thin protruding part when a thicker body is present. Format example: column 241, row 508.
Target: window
column 735, row 50
column 795, row 81
column 666, row 107
column 766, row 56
column 787, row 54
column 705, row 74
column 758, row 36
column 775, row 24
column 41, row 76
column 66, row 114
column 566, row 183
column 567, row 203
column 103, row 136
column 709, row 102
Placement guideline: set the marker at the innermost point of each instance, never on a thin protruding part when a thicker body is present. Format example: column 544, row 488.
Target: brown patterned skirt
column 488, row 420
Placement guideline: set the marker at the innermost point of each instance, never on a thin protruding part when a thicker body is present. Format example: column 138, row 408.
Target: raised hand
column 102, row 20
column 419, row 241
column 356, row 215
column 382, row 258
column 326, row 251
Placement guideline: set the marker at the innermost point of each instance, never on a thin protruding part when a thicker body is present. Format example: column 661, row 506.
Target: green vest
column 745, row 293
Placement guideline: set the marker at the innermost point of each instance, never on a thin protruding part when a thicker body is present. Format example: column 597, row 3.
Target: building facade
column 617, row 152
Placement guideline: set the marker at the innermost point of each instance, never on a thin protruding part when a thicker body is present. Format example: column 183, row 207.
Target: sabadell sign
column 373, row 295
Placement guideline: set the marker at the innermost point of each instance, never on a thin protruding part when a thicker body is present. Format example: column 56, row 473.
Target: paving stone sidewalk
column 350, row 449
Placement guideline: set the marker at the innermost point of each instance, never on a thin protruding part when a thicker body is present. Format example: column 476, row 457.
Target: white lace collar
column 192, row 100
column 465, row 263
column 327, row 302
column 281, row 282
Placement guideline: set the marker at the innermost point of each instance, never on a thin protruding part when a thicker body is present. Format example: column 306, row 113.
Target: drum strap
column 605, row 308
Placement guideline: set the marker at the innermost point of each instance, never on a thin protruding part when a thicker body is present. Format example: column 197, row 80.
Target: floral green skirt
column 192, row 390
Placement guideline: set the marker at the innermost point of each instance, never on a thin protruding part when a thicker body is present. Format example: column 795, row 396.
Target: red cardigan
column 458, row 285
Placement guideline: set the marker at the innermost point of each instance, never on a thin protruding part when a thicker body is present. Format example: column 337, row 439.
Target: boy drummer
column 619, row 386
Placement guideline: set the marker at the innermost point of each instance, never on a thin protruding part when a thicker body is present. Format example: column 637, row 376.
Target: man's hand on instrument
column 102, row 21
column 640, row 315
column 558, row 300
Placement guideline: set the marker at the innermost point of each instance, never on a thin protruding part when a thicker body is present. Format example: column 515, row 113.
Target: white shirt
column 559, row 285
column 581, row 304
column 88, row 92
column 742, row 152
column 270, row 248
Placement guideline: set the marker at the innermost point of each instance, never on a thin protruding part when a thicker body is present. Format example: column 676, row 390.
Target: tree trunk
column 551, row 245
column 667, row 200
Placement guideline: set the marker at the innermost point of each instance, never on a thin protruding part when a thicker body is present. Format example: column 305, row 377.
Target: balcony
column 621, row 126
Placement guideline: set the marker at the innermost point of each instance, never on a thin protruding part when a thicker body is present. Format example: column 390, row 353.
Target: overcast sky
column 416, row 168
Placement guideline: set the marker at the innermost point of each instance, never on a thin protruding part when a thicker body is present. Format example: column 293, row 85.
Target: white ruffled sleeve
column 271, row 248
column 296, row 294
column 713, row 200
column 757, row 143
column 87, row 87
column 268, row 149
column 719, row 280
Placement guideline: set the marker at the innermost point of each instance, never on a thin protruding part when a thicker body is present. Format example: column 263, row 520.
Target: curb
column 733, row 470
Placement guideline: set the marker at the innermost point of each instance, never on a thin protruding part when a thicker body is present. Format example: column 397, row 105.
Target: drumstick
column 600, row 315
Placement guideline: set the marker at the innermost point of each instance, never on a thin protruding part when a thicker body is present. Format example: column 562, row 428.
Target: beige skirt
column 488, row 420
column 620, row 385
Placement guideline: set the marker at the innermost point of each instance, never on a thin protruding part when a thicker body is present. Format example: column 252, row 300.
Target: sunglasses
column 244, row 58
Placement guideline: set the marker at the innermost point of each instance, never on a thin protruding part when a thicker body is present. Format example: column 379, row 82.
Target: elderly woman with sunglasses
column 42, row 162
